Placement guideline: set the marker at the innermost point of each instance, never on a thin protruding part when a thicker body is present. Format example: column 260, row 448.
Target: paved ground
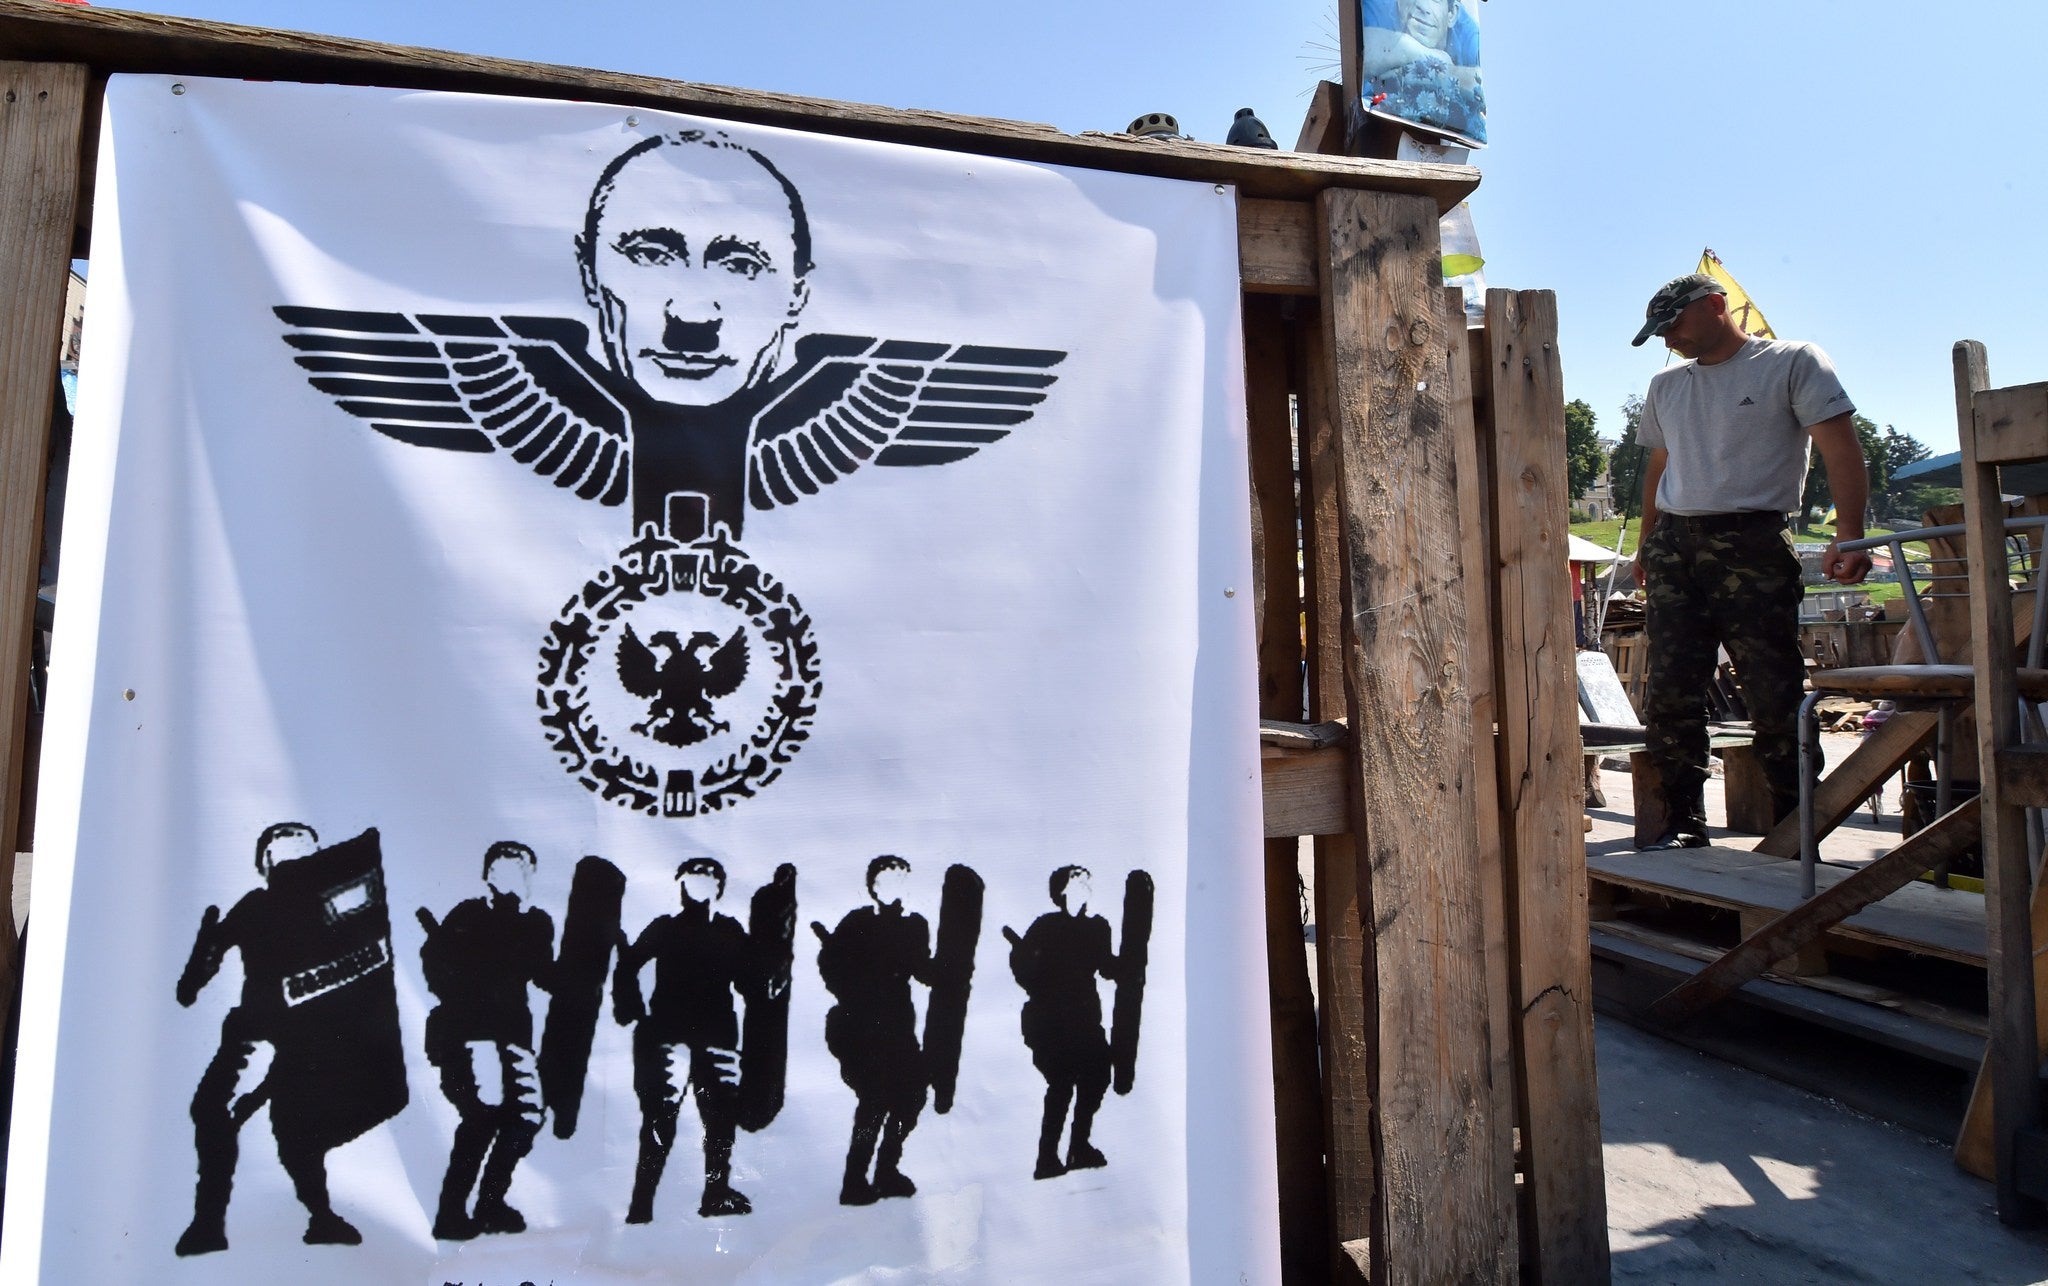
column 1717, row 1174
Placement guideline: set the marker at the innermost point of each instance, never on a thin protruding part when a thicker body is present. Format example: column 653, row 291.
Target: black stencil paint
column 764, row 1036
column 589, row 932
column 945, row 1016
column 706, row 405
column 681, row 683
column 315, row 1035
column 868, row 963
column 1057, row 961
column 702, row 961
column 651, row 575
column 479, row 962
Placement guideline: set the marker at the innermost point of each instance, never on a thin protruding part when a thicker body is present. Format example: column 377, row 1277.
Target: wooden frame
column 1453, row 967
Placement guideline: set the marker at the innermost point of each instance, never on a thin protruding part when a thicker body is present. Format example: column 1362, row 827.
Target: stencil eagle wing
column 855, row 401
column 727, row 668
column 639, row 670
column 519, row 384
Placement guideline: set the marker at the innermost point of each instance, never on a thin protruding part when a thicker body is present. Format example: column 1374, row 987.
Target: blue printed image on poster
column 1423, row 56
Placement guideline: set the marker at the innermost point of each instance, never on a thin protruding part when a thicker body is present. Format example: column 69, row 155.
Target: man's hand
column 725, row 1064
column 1846, row 569
column 1636, row 568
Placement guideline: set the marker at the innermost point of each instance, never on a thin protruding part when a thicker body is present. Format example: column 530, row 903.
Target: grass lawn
column 1603, row 534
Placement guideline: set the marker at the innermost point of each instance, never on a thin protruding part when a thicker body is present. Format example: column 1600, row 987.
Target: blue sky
column 1862, row 167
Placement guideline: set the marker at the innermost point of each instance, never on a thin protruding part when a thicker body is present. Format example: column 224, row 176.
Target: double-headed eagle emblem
column 682, row 684
column 695, row 255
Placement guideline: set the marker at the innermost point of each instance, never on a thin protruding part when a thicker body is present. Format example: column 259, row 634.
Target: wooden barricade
column 1418, row 468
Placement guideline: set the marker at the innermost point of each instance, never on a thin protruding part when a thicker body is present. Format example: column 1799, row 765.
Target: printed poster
column 643, row 698
column 1421, row 64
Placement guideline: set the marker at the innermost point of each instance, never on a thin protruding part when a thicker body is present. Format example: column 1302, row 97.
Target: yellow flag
column 1740, row 306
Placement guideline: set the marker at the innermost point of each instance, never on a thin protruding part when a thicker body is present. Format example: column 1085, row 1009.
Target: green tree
column 1625, row 466
column 1818, row 495
column 1899, row 450
column 1584, row 456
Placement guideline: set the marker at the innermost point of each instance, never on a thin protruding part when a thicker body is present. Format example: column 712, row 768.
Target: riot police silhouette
column 315, row 1035
column 478, row 962
column 701, row 959
column 1056, row 961
column 868, row 963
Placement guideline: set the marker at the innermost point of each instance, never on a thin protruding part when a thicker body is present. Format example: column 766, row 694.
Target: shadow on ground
column 1717, row 1174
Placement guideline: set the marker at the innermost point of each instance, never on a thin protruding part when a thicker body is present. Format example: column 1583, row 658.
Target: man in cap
column 1727, row 434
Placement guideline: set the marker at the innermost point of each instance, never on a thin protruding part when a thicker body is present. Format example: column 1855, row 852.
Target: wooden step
column 1919, row 918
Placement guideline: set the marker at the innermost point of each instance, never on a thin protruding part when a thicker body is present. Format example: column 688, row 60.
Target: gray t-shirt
column 1736, row 431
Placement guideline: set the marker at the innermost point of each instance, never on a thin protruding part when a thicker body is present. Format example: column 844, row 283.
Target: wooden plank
column 1276, row 247
column 1974, row 1151
column 1306, row 793
column 1944, row 1016
column 113, row 41
column 1476, row 564
column 1542, row 790
column 1443, row 1211
column 1843, row 790
column 1297, row 1081
column 2014, row 1059
column 2023, row 775
column 1341, row 967
column 2012, row 423
column 1802, row 926
column 1919, row 918
column 1747, row 791
column 1322, row 128
column 42, row 109
column 1646, row 790
column 1351, row 52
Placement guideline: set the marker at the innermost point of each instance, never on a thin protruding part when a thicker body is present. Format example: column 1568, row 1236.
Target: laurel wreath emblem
column 651, row 568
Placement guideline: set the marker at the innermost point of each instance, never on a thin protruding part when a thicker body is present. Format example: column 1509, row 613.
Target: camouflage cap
column 1671, row 299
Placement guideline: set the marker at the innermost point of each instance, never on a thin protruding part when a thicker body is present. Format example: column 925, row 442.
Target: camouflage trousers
column 1722, row 581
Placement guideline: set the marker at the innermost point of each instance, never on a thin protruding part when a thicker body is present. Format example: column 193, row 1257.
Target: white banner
column 639, row 698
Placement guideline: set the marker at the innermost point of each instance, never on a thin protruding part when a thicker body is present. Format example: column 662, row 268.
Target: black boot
column 493, row 1212
column 854, row 1188
column 208, row 1231
column 890, row 1181
column 720, row 1197
column 1688, row 825
column 1049, row 1127
column 465, row 1156
column 1081, row 1154
column 308, row 1171
column 656, row 1137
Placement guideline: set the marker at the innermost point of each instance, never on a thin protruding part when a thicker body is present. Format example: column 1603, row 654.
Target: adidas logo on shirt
column 1748, row 401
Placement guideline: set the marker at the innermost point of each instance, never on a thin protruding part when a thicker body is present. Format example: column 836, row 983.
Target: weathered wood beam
column 1306, row 792
column 1542, row 794
column 41, row 117
column 1845, row 787
column 1276, row 247
column 2014, row 1059
column 1472, row 453
column 1297, row 1081
column 2012, row 423
column 1947, row 838
column 109, row 40
column 2023, row 774
column 1341, row 968
column 1443, row 1208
